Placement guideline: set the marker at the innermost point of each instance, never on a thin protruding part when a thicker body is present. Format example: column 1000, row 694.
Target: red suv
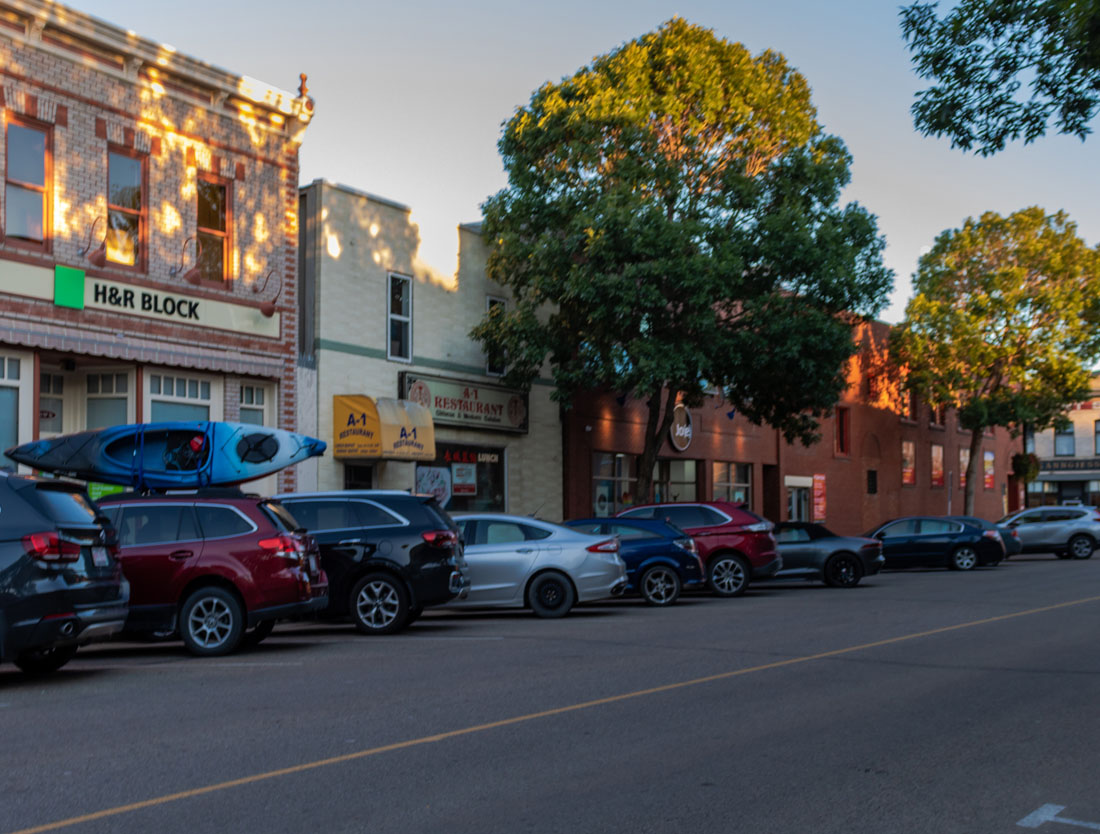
column 216, row 567
column 736, row 545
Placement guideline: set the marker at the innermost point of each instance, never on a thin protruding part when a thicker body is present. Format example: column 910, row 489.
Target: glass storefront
column 465, row 478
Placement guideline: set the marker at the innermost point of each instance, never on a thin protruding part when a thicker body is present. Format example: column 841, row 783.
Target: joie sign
column 679, row 433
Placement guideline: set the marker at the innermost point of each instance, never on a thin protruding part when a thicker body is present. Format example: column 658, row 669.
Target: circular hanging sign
column 679, row 433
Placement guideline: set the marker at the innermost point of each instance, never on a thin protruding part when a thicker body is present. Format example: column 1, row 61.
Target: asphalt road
column 921, row 701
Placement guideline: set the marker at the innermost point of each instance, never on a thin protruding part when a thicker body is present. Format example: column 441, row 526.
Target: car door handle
column 181, row 554
column 351, row 541
column 525, row 550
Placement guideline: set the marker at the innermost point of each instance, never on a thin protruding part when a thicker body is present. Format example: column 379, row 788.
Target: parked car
column 736, row 545
column 61, row 585
column 388, row 554
column 522, row 561
column 660, row 558
column 812, row 551
column 216, row 567
column 924, row 541
column 1009, row 535
column 1070, row 532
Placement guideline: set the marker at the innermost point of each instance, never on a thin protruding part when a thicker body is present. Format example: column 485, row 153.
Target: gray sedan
column 811, row 551
column 521, row 561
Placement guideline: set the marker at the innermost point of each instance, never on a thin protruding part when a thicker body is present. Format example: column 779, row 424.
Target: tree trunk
column 974, row 470
column 657, row 425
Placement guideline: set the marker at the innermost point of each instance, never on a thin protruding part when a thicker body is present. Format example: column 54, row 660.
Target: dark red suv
column 736, row 545
column 216, row 567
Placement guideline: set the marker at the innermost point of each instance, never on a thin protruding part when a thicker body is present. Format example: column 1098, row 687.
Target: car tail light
column 759, row 527
column 440, row 538
column 687, row 543
column 50, row 547
column 992, row 534
column 282, row 546
column 609, row 546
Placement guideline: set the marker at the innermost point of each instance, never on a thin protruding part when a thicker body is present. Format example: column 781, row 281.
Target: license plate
column 312, row 564
column 99, row 557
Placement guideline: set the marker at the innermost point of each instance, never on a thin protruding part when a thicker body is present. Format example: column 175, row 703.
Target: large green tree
column 1004, row 324
column 983, row 53
column 671, row 221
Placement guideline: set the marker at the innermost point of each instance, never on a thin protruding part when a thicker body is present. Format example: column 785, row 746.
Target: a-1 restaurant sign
column 470, row 404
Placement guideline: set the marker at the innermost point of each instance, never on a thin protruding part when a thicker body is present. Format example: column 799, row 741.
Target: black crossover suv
column 388, row 554
column 60, row 581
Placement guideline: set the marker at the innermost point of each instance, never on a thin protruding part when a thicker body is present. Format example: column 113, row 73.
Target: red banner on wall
column 819, row 497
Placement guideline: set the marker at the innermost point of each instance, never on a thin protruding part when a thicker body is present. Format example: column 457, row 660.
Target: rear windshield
column 280, row 516
column 436, row 513
column 63, row 506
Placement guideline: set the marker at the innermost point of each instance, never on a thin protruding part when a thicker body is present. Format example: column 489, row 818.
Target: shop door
column 798, row 503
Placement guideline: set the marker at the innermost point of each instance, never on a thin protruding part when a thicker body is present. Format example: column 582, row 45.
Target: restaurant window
column 107, row 401
column 125, row 208
column 26, row 184
column 213, row 228
column 181, row 397
column 732, row 482
column 495, row 364
column 674, row 480
column 358, row 476
column 465, row 478
column 399, row 313
column 843, row 431
column 1064, row 445
column 613, row 477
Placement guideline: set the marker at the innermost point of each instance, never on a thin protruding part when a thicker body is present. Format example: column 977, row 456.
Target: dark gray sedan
column 811, row 551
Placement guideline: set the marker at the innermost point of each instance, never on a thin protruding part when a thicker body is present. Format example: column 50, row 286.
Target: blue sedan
column 660, row 557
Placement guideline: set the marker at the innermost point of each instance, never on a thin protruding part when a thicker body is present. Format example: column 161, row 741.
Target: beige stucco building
column 376, row 322
column 1069, row 459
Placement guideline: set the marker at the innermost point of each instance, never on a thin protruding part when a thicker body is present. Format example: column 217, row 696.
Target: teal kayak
column 171, row 455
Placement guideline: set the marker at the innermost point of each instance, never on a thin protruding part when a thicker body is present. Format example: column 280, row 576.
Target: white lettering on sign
column 1049, row 813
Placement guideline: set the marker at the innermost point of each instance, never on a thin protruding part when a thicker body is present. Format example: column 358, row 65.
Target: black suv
column 388, row 554
column 60, row 581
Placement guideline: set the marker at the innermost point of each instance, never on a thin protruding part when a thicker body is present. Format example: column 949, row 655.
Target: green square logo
column 68, row 287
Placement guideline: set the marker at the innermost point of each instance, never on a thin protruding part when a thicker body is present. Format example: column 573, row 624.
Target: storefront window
column 733, row 482
column 179, row 398
column 107, row 400
column 51, row 405
column 253, row 409
column 465, row 478
column 1042, row 493
column 359, row 476
column 674, row 480
column 9, row 424
column 613, row 482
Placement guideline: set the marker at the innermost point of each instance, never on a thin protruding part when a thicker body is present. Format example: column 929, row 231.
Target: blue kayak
column 171, row 455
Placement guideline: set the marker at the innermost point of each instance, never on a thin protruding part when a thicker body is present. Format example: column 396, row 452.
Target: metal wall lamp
column 98, row 258
column 194, row 274
column 268, row 307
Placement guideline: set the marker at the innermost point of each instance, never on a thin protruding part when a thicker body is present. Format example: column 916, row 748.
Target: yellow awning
column 364, row 427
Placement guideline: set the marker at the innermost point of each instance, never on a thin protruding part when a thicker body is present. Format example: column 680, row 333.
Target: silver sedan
column 520, row 561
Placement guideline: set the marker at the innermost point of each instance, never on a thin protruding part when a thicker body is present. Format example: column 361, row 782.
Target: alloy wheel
column 378, row 604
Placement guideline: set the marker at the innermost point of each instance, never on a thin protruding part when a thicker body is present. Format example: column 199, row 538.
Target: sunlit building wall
column 378, row 322
column 148, row 232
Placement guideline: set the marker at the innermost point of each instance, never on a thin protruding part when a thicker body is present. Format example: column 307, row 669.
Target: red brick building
column 148, row 232
column 881, row 455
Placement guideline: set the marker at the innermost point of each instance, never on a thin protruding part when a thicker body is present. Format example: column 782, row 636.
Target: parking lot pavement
column 927, row 701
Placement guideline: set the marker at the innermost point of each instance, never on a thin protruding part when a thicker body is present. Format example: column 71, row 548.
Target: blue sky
column 411, row 96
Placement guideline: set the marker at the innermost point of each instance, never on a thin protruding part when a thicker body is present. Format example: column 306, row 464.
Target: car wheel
column 44, row 661
column 258, row 634
column 660, row 585
column 1080, row 547
column 211, row 622
column 550, row 595
column 963, row 558
column 843, row 570
column 379, row 604
column 728, row 576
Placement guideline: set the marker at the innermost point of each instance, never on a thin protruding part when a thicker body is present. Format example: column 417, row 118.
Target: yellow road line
column 520, row 719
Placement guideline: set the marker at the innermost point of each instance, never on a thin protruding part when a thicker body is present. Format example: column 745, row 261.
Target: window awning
column 367, row 427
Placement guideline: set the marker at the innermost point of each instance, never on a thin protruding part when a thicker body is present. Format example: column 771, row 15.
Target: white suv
column 1070, row 532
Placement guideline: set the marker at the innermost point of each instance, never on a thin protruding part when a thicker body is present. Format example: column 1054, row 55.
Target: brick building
column 881, row 455
column 149, row 232
column 380, row 330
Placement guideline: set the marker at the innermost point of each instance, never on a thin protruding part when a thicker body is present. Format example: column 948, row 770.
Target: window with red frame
column 213, row 228
column 26, row 183
column 125, row 208
column 843, row 431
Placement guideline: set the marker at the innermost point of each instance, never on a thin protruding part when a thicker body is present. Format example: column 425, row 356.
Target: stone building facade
column 378, row 323
column 1069, row 458
column 148, row 253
